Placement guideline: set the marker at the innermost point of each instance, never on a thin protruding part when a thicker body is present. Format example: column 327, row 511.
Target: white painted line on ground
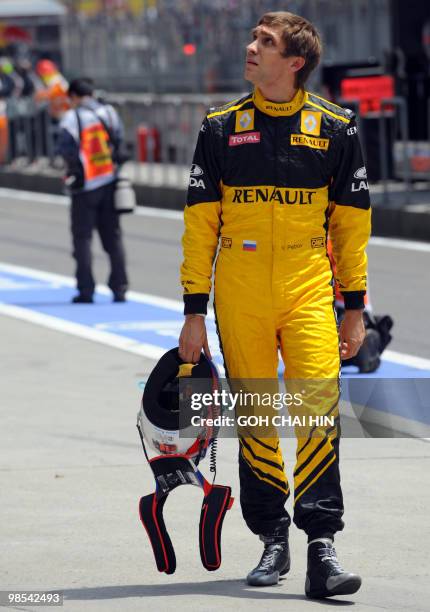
column 82, row 331
column 398, row 243
column 146, row 211
column 420, row 363
column 177, row 215
column 32, row 196
column 62, row 200
column 50, row 277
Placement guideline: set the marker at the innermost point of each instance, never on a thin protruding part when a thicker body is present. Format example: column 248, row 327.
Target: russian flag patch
column 249, row 245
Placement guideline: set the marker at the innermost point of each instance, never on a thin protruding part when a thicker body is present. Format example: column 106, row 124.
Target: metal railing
column 30, row 130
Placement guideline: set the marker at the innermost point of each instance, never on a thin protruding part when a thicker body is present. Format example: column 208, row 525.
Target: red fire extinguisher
column 148, row 144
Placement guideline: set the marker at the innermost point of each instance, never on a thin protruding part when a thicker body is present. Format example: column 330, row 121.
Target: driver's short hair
column 300, row 37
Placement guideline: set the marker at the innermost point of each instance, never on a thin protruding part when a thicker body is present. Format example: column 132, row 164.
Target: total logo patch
column 310, row 123
column 239, row 139
column 195, row 172
column 361, row 176
column 244, row 120
column 226, row 242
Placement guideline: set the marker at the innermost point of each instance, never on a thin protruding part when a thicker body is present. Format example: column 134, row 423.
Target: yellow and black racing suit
column 268, row 182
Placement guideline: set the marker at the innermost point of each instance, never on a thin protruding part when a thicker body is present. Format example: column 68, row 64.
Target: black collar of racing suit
column 279, row 109
column 171, row 471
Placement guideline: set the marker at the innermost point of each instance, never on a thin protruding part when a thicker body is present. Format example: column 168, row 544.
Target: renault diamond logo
column 245, row 120
column 310, row 123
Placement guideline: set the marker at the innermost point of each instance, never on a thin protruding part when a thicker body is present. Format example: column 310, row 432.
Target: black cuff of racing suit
column 195, row 303
column 319, row 534
column 354, row 300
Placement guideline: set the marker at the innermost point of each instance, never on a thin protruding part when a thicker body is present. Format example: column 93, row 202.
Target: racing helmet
column 165, row 410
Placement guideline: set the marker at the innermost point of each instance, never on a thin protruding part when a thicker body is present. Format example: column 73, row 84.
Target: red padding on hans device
column 151, row 515
column 215, row 505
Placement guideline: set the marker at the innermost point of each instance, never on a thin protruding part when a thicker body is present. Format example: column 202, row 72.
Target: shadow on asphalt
column 219, row 588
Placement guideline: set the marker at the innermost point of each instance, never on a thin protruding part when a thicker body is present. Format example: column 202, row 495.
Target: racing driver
column 273, row 174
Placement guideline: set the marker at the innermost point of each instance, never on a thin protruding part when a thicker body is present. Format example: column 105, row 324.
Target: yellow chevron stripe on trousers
column 305, row 450
column 273, row 469
column 315, row 479
column 268, row 450
column 325, row 450
column 275, row 462
column 284, row 488
column 304, row 443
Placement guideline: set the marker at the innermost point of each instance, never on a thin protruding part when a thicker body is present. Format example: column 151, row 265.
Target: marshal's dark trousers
column 95, row 210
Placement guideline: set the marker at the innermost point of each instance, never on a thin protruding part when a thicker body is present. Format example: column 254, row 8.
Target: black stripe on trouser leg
column 263, row 444
column 315, row 426
column 255, row 457
column 308, row 459
column 262, row 503
column 318, row 507
column 315, row 473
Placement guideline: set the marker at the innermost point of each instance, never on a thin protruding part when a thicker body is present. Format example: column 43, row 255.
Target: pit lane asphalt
column 72, row 472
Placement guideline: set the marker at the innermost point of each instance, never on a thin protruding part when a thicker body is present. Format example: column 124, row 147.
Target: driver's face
column 264, row 62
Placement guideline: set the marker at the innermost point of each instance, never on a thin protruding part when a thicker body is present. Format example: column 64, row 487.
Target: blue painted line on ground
column 160, row 326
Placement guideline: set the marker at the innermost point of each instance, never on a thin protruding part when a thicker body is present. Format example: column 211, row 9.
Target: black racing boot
column 325, row 577
column 274, row 562
column 119, row 297
column 82, row 298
